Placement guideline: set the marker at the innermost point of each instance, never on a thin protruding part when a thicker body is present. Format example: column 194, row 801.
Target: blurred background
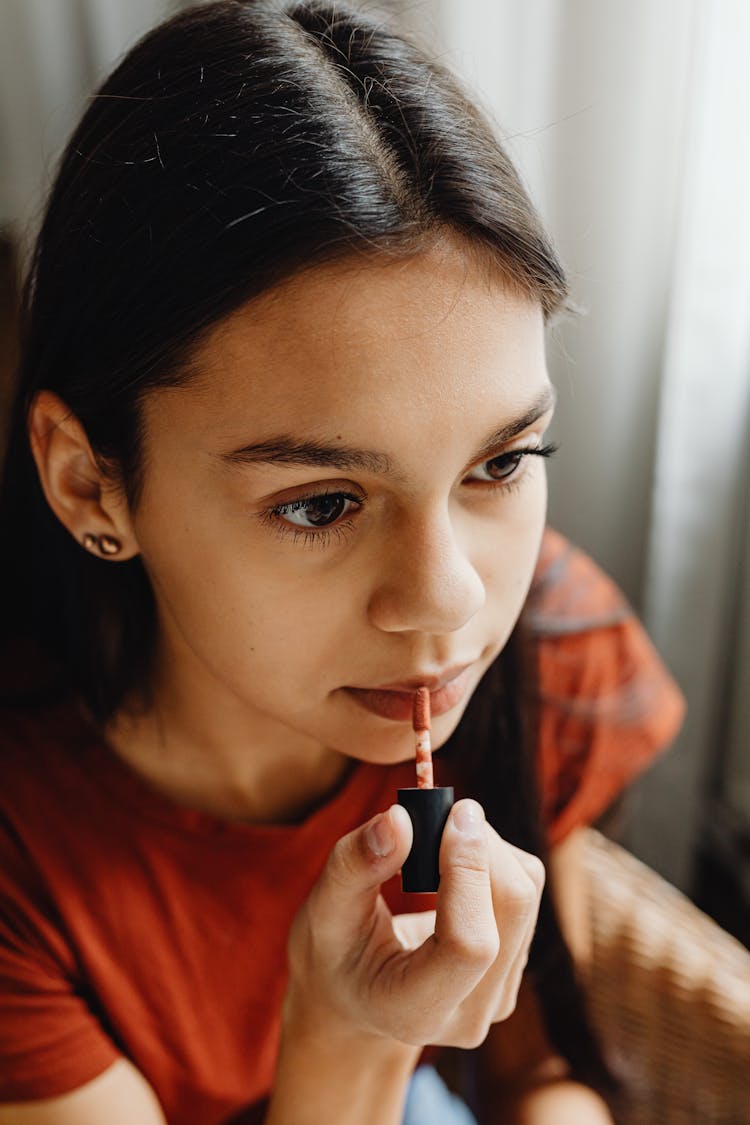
column 628, row 121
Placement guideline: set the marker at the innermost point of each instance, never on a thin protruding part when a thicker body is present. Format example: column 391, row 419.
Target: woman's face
column 332, row 506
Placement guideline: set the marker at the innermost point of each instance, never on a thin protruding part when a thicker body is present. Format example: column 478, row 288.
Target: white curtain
column 628, row 119
column 698, row 578
column 52, row 55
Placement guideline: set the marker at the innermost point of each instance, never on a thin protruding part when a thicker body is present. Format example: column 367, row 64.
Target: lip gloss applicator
column 427, row 807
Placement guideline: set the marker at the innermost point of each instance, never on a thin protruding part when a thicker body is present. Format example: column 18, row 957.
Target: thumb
column 342, row 901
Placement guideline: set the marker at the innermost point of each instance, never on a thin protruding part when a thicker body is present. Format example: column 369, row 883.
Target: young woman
column 277, row 459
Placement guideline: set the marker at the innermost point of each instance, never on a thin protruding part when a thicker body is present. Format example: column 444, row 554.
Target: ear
column 82, row 498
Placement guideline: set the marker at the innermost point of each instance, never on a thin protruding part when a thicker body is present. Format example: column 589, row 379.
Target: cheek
column 219, row 595
column 512, row 547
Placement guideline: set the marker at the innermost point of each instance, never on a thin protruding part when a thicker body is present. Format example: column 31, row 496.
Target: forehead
column 355, row 343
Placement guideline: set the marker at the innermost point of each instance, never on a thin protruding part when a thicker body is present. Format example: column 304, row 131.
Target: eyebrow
column 285, row 450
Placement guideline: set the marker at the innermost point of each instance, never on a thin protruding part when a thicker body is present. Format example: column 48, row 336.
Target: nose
column 426, row 581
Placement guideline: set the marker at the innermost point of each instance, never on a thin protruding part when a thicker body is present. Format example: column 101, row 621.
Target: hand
column 440, row 977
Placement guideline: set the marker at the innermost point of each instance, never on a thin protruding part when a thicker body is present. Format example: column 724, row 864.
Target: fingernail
column 379, row 836
column 468, row 818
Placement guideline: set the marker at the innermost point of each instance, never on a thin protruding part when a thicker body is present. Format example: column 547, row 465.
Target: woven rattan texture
column 669, row 993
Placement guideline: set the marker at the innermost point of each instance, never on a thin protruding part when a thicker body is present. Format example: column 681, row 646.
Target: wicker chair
column 669, row 993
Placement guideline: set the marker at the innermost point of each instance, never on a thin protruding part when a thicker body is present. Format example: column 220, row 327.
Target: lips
column 432, row 683
column 396, row 702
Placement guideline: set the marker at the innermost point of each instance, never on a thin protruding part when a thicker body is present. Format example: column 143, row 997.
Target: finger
column 436, row 977
column 341, row 904
column 507, row 1001
column 517, row 879
column 434, row 980
column 464, row 919
column 531, row 864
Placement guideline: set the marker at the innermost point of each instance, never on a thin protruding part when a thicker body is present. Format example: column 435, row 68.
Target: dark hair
column 234, row 146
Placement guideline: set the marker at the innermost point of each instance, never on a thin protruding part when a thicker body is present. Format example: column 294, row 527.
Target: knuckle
column 522, row 896
column 505, row 1009
column 508, row 1001
column 536, row 871
column 472, row 1036
column 471, row 868
column 476, row 952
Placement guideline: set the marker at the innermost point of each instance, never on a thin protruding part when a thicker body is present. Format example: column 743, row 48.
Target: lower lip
column 398, row 705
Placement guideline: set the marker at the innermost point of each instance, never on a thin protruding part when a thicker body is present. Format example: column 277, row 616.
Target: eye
column 499, row 468
column 309, row 512
column 503, row 470
column 319, row 516
column 315, row 518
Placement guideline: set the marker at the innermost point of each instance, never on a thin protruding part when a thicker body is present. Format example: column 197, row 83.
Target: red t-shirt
column 130, row 925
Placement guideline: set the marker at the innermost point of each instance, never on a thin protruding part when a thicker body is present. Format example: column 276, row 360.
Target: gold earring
column 107, row 544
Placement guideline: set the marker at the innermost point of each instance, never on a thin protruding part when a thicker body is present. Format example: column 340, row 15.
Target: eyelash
column 273, row 517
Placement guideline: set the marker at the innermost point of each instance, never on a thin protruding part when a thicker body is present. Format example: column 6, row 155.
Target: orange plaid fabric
column 608, row 705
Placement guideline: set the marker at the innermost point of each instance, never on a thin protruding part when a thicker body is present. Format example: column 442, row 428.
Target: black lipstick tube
column 428, row 810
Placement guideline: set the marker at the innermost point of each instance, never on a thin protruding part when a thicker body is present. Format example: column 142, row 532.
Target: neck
column 234, row 778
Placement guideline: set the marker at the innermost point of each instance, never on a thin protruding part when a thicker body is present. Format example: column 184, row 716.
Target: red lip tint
column 427, row 807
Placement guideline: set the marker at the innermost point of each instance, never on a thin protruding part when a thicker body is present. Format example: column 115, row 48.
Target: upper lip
column 432, row 682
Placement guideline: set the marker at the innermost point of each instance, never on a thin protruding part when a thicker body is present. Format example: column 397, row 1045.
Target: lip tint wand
column 427, row 807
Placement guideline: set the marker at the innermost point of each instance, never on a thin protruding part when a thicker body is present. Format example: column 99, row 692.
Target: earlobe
column 74, row 486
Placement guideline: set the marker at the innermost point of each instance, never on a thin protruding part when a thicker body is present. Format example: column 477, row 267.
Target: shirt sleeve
column 50, row 1041
column 608, row 706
